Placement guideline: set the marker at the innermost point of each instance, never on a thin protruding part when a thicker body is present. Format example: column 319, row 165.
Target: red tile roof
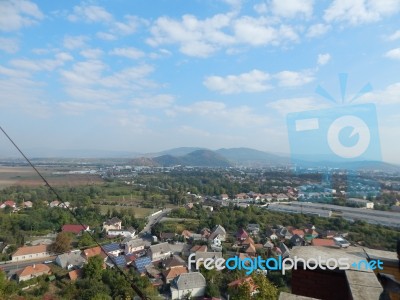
column 90, row 252
column 242, row 234
column 26, row 250
column 34, row 269
column 74, row 228
column 75, row 274
column 322, row 242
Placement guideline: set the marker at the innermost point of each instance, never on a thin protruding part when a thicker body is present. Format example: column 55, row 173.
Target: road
column 9, row 266
column 153, row 220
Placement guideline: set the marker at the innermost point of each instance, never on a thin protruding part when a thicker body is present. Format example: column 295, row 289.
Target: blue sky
column 146, row 76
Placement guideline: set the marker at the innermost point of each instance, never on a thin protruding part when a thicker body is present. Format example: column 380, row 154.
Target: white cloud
column 202, row 38
column 94, row 53
column 387, row 96
column 92, row 80
column 74, row 42
column 128, row 52
column 42, row 64
column 356, row 12
column 128, row 27
column 19, row 92
column 9, row 45
column 16, row 14
column 155, row 102
column 240, row 116
column 251, row 82
column 394, row 36
column 260, row 8
column 106, row 36
column 90, row 14
column 393, row 54
column 189, row 130
column 323, row 59
column 195, row 37
column 317, row 30
column 78, row 108
column 292, row 79
column 292, row 8
column 285, row 106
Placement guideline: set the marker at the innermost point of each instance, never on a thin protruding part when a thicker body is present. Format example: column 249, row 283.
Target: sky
column 145, row 76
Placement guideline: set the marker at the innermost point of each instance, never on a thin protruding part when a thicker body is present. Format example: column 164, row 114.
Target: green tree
column 266, row 290
column 62, row 243
column 94, row 268
column 85, row 240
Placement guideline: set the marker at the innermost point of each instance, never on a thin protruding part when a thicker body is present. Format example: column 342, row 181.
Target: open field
column 26, row 176
column 140, row 212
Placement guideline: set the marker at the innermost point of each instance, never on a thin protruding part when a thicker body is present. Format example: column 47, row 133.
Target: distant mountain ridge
column 201, row 157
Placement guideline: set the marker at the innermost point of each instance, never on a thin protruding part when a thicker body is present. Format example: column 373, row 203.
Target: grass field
column 140, row 212
column 26, row 176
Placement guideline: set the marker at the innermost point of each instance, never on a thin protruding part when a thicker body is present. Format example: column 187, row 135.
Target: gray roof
column 205, row 255
column 189, row 281
column 72, row 258
column 133, row 242
column 160, row 248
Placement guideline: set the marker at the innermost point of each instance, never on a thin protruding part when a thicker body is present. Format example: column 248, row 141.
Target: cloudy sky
column 151, row 75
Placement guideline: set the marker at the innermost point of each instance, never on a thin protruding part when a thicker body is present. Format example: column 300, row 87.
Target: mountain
column 197, row 158
column 251, row 157
column 174, row 152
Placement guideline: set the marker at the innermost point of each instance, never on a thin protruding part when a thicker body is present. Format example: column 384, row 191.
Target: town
column 190, row 212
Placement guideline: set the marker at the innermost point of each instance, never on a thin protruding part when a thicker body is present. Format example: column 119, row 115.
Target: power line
column 134, row 287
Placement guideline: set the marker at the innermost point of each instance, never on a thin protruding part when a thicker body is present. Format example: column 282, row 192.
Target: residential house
column 119, row 261
column 188, row 284
column 218, row 232
column 128, row 233
column 141, row 263
column 299, row 232
column 75, row 228
column 283, row 233
column 241, row 235
column 251, row 250
column 234, row 285
column 208, row 207
column 172, row 273
column 254, row 229
column 200, row 257
column 327, row 234
column 174, row 266
column 133, row 245
column 112, row 224
column 8, row 203
column 282, row 250
column 159, row 251
column 33, row 271
column 30, row 252
column 186, row 234
column 323, row 242
column 198, row 248
column 75, row 274
column 173, row 261
column 113, row 249
column 167, row 236
column 64, row 205
column 90, row 252
column 27, row 204
column 270, row 233
column 70, row 260
column 54, row 203
column 282, row 197
column 296, row 240
column 224, row 197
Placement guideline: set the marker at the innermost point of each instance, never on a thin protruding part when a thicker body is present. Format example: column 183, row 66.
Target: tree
column 94, row 268
column 85, row 240
column 266, row 290
column 62, row 243
column 3, row 283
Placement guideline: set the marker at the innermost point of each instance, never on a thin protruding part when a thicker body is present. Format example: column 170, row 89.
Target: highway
column 9, row 266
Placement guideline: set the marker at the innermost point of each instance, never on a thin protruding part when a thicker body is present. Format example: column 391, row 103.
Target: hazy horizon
column 220, row 74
